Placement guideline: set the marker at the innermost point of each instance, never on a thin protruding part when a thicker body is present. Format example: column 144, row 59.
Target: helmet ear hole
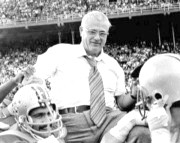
column 158, row 96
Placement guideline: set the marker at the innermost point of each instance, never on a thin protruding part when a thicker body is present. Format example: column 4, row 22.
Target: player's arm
column 7, row 87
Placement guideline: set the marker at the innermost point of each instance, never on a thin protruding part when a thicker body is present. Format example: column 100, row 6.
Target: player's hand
column 135, row 118
column 157, row 118
column 24, row 74
column 29, row 77
column 119, row 133
column 29, row 71
column 134, row 89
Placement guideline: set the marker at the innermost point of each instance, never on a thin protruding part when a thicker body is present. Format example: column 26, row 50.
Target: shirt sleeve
column 120, row 86
column 46, row 64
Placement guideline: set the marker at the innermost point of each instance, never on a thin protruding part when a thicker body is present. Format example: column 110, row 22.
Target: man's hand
column 32, row 80
column 134, row 89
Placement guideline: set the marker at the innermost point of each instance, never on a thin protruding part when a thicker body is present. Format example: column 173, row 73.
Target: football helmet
column 159, row 78
column 30, row 97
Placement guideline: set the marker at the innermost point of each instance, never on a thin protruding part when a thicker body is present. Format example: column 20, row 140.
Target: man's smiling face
column 94, row 35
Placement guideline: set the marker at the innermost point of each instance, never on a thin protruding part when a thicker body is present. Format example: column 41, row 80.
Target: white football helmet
column 30, row 97
column 160, row 79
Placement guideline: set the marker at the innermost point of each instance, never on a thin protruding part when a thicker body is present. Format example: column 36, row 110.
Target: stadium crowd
column 14, row 58
column 33, row 10
column 128, row 56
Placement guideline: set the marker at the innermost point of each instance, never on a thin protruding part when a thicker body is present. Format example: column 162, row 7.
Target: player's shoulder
column 14, row 135
column 9, row 138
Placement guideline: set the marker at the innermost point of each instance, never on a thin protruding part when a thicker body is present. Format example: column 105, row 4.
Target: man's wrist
column 13, row 80
column 133, row 97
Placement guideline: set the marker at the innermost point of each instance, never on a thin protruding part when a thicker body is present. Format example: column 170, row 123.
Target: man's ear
column 80, row 30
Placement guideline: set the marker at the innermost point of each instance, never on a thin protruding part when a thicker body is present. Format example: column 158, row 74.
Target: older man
column 87, row 84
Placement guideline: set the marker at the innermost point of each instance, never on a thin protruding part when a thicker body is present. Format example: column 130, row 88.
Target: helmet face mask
column 36, row 114
column 44, row 122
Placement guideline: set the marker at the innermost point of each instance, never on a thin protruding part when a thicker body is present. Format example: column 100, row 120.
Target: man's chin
column 95, row 52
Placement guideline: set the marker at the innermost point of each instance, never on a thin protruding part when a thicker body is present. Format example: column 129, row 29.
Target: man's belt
column 77, row 109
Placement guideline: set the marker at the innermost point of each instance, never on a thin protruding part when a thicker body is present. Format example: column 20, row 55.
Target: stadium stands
column 16, row 13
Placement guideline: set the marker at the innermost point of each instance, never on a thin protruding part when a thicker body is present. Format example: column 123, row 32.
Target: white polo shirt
column 69, row 71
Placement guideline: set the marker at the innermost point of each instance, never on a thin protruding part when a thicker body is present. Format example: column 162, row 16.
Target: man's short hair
column 99, row 16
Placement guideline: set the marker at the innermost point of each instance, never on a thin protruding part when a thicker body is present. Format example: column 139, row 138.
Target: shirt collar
column 83, row 53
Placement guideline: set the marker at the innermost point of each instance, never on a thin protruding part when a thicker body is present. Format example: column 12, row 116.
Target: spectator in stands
column 70, row 68
column 37, row 118
column 19, row 11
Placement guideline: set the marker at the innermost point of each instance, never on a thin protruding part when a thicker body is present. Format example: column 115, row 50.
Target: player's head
column 36, row 113
column 160, row 78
